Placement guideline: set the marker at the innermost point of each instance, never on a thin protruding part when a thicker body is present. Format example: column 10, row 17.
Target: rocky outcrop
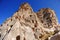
column 28, row 25
column 47, row 17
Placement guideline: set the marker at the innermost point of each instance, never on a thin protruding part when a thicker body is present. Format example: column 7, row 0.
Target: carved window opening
column 42, row 21
column 32, row 21
column 30, row 15
column 0, row 35
column 16, row 17
column 11, row 26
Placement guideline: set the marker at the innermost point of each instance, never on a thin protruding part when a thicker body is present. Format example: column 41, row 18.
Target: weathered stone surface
column 55, row 37
column 28, row 25
column 47, row 17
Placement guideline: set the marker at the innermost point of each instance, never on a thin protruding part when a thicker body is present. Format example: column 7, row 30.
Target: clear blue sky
column 9, row 7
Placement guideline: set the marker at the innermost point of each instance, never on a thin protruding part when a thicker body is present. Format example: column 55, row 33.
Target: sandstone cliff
column 25, row 24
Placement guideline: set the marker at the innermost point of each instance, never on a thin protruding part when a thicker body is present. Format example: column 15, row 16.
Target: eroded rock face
column 47, row 17
column 28, row 25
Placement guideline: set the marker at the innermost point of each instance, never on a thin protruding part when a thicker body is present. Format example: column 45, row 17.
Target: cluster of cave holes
column 32, row 20
column 47, row 18
column 40, row 36
column 25, row 7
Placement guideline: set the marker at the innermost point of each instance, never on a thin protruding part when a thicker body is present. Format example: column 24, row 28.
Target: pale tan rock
column 28, row 25
column 47, row 17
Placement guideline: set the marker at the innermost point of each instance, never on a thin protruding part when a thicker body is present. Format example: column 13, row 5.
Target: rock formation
column 28, row 25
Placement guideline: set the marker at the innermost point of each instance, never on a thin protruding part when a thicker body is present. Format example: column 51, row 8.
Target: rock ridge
column 25, row 24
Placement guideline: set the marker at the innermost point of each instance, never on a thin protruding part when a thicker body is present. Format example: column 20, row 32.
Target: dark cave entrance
column 18, row 37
